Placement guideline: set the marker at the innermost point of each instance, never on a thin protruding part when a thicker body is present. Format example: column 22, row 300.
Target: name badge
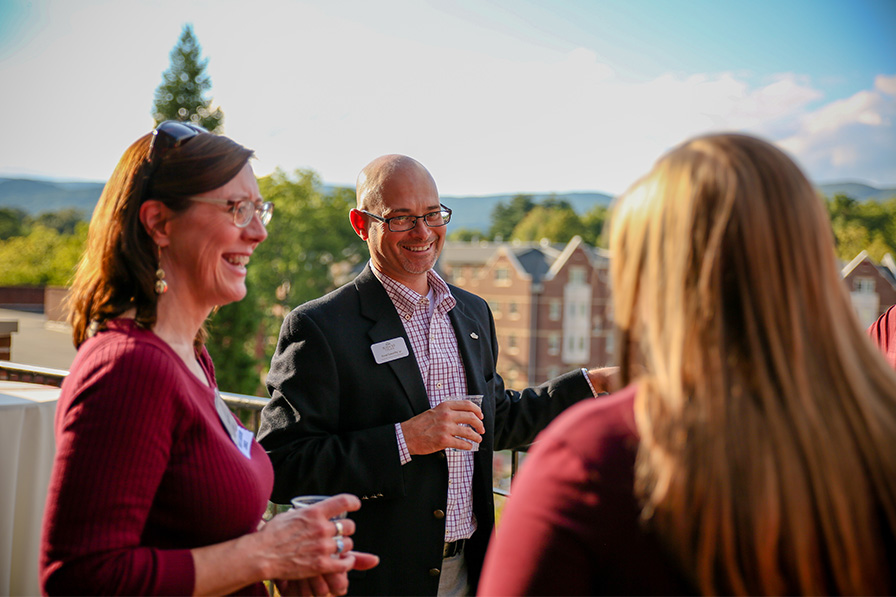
column 241, row 436
column 244, row 439
column 389, row 350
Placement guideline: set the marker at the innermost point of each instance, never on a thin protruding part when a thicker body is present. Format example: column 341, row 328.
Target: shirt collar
column 406, row 300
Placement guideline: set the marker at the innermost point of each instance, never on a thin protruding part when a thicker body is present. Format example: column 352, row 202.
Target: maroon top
column 144, row 472
column 883, row 332
column 571, row 526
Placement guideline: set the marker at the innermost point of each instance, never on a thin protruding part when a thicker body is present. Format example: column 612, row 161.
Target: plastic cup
column 305, row 501
column 477, row 400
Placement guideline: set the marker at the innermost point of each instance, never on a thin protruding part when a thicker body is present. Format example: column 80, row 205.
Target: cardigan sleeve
column 115, row 428
column 883, row 333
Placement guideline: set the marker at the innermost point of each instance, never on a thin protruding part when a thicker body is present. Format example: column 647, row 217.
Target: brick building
column 872, row 286
column 550, row 302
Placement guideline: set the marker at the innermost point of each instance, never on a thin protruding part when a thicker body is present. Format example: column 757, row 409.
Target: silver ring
column 340, row 545
column 338, row 524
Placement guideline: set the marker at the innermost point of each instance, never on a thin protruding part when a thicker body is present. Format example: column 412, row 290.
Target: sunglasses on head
column 171, row 134
column 165, row 137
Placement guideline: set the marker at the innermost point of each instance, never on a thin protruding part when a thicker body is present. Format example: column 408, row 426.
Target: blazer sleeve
column 307, row 427
column 519, row 414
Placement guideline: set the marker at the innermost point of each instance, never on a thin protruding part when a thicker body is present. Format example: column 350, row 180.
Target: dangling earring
column 161, row 284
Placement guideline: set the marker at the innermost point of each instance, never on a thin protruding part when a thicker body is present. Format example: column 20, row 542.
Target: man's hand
column 605, row 379
column 440, row 427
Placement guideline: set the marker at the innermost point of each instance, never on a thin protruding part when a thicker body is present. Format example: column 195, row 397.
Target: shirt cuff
column 588, row 379
column 404, row 454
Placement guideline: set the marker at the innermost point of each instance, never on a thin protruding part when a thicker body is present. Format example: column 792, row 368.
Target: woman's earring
column 161, row 284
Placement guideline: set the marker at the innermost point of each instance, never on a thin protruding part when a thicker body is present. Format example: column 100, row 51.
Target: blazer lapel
column 469, row 338
column 377, row 306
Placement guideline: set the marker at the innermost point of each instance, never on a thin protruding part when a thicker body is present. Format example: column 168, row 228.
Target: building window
column 514, row 310
column 512, row 344
column 554, row 309
column 495, row 306
column 864, row 285
column 577, row 275
column 502, row 276
column 554, row 344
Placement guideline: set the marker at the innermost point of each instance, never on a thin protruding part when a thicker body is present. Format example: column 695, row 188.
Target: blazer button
column 439, row 514
column 434, row 572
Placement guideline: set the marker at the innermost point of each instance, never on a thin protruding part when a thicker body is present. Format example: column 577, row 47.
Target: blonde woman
column 753, row 450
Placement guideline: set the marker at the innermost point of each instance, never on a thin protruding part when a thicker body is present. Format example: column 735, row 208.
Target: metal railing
column 247, row 408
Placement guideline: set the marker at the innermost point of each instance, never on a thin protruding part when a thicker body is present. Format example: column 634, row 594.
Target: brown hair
column 117, row 270
column 767, row 418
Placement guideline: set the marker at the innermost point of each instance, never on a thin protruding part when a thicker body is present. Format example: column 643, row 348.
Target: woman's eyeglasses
column 243, row 209
column 174, row 133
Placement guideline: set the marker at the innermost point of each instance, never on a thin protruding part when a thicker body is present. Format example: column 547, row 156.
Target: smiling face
column 403, row 256
column 205, row 261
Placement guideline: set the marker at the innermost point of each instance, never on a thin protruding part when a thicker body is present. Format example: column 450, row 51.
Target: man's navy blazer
column 330, row 428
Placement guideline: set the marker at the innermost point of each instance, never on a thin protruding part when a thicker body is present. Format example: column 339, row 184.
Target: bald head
column 376, row 175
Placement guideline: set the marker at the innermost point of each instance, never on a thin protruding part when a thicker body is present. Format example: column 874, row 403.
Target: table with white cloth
column 27, row 447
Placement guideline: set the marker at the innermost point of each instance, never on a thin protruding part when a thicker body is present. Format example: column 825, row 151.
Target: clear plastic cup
column 304, row 501
column 477, row 400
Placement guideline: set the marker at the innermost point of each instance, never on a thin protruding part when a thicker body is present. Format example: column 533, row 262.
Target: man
column 358, row 384
column 883, row 333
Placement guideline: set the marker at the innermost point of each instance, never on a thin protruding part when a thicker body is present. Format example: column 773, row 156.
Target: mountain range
column 474, row 212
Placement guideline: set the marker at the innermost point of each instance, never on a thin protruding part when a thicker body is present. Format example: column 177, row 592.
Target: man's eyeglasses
column 171, row 134
column 243, row 209
column 433, row 219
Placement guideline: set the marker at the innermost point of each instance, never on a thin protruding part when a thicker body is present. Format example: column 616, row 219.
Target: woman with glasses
column 754, row 449
column 156, row 487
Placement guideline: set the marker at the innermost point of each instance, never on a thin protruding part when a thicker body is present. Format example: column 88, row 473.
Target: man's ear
column 155, row 216
column 359, row 223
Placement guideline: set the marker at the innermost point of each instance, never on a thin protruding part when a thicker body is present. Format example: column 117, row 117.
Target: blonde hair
column 767, row 461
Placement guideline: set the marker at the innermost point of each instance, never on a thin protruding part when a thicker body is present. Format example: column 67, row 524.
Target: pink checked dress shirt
column 429, row 329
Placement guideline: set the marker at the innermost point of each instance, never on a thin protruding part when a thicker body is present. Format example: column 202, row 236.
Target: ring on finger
column 338, row 524
column 340, row 545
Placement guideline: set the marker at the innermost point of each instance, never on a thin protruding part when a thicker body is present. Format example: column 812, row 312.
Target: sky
column 492, row 96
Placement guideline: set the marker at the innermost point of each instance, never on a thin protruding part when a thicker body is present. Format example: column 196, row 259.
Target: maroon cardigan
column 883, row 332
column 144, row 472
column 571, row 526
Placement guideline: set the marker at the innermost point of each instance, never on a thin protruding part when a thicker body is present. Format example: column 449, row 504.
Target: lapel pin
column 474, row 335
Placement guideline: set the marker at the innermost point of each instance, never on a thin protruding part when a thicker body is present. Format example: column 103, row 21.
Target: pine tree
column 180, row 95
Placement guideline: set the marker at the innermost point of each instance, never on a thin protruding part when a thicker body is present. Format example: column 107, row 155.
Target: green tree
column 42, row 258
column 595, row 222
column 866, row 225
column 12, row 222
column 506, row 217
column 232, row 343
column 310, row 244
column 466, row 234
column 63, row 221
column 181, row 95
column 311, row 240
column 557, row 224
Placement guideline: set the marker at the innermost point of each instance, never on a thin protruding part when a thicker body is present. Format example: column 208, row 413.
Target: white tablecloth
column 27, row 448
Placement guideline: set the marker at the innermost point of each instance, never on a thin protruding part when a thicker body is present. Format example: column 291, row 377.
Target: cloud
column 319, row 88
column 488, row 125
column 852, row 138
